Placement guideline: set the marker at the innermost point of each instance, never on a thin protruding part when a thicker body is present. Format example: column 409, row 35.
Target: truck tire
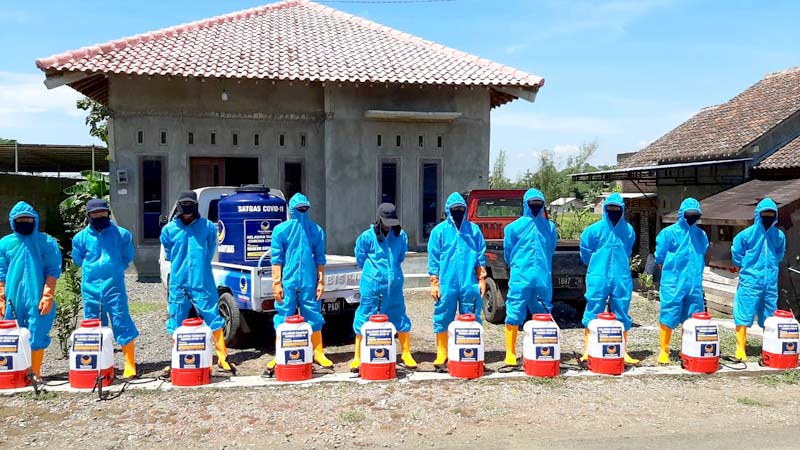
column 494, row 304
column 234, row 336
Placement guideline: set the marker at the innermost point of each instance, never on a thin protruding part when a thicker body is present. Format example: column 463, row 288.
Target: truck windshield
column 499, row 207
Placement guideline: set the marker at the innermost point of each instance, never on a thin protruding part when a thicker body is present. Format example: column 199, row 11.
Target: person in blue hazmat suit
column 189, row 243
column 606, row 247
column 528, row 247
column 681, row 248
column 30, row 265
column 298, row 273
column 457, row 269
column 103, row 251
column 380, row 251
column 757, row 251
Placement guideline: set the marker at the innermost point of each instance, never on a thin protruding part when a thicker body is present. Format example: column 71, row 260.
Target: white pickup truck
column 245, row 292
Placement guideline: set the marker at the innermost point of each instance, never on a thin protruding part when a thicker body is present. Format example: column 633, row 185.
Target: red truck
column 492, row 210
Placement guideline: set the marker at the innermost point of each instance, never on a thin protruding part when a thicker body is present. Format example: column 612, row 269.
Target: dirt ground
column 644, row 412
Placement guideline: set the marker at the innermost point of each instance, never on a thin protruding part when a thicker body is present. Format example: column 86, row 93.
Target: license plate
column 567, row 282
column 332, row 306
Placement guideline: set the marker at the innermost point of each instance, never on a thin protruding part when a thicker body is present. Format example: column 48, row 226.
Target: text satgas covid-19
column 260, row 208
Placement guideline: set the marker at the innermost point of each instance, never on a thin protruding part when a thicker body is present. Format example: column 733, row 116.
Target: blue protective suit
column 681, row 248
column 453, row 255
column 606, row 248
column 528, row 247
column 103, row 257
column 758, row 254
column 190, row 249
column 25, row 264
column 298, row 245
column 382, row 275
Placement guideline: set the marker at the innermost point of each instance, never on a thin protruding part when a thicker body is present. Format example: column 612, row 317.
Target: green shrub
column 69, row 305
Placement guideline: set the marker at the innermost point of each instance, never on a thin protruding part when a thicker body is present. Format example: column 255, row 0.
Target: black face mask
column 24, row 228
column 379, row 233
column 614, row 216
column 536, row 207
column 767, row 221
column 691, row 219
column 458, row 215
column 100, row 223
column 302, row 209
column 187, row 208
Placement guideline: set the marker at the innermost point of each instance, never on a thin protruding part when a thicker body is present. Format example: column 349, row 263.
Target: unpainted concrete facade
column 341, row 157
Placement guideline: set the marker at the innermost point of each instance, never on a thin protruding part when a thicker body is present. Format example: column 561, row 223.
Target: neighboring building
column 566, row 204
column 729, row 156
column 300, row 97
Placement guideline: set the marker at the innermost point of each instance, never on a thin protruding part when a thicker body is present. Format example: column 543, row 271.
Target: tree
column 73, row 208
column 497, row 179
column 4, row 141
column 96, row 119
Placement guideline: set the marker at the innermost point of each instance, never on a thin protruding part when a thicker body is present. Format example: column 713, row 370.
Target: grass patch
column 747, row 401
column 789, row 377
column 43, row 395
column 352, row 416
column 139, row 308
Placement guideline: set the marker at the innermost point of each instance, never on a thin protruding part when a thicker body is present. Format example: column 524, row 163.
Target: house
column 297, row 96
column 565, row 204
column 729, row 157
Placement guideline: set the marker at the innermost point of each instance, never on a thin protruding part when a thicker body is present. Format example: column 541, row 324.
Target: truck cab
column 245, row 292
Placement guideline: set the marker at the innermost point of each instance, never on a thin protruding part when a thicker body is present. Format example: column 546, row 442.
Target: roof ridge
column 781, row 72
column 118, row 44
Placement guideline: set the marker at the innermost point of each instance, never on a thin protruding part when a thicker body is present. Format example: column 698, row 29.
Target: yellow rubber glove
column 277, row 285
column 46, row 303
column 2, row 299
column 436, row 291
column 320, row 281
column 480, row 272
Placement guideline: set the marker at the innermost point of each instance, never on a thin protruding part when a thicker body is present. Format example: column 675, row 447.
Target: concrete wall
column 43, row 193
column 341, row 158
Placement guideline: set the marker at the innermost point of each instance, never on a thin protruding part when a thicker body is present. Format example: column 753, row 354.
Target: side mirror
column 162, row 221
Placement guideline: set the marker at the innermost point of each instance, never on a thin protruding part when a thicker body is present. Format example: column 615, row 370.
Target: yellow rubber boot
column 271, row 365
column 664, row 336
column 585, row 356
column 37, row 356
column 628, row 358
column 441, row 349
column 222, row 350
column 129, row 354
column 405, row 346
column 741, row 343
column 511, row 345
column 319, row 352
column 356, row 362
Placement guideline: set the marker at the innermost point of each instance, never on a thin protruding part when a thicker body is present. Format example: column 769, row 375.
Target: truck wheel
column 494, row 305
column 234, row 336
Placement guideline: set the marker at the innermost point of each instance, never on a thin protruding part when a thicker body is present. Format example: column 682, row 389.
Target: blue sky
column 622, row 72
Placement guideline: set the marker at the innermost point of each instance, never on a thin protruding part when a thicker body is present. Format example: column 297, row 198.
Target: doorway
column 430, row 208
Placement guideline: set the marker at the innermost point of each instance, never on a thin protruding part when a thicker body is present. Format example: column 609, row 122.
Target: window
column 389, row 182
column 213, row 138
column 438, row 141
column 282, row 140
column 140, row 137
column 152, row 196
column 302, row 139
column 431, row 211
column 256, row 140
column 235, row 139
column 163, row 134
column 292, row 178
column 380, row 141
column 397, row 141
column 499, row 207
column 421, row 142
column 191, row 138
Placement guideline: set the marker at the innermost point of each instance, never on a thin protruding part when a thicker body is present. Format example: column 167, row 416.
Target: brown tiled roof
column 787, row 157
column 724, row 130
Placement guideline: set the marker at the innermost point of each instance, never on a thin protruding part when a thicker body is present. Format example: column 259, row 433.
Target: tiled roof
column 723, row 131
column 787, row 157
column 290, row 40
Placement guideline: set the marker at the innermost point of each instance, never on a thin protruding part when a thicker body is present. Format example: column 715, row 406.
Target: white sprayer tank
column 541, row 349
column 781, row 341
column 700, row 344
column 293, row 350
column 378, row 349
column 15, row 355
column 192, row 353
column 465, row 347
column 92, row 354
column 606, row 345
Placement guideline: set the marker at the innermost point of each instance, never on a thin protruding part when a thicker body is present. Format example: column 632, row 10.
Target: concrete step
column 415, row 263
column 416, row 280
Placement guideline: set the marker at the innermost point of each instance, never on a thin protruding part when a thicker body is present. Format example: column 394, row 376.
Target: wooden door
column 206, row 172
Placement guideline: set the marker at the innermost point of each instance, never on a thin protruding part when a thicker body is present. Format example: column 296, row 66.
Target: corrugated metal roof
column 37, row 158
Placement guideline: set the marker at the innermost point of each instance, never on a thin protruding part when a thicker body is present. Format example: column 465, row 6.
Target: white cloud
column 565, row 149
column 22, row 93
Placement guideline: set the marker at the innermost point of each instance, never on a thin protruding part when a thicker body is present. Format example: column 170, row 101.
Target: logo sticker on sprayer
column 190, row 361
column 545, row 353
column 9, row 344
column 468, row 354
column 379, row 337
column 379, row 355
column 545, row 336
column 296, row 356
column 6, row 363
column 789, row 348
column 706, row 334
column 89, row 342
column 611, row 351
column 708, row 350
column 294, row 339
column 788, row 331
column 608, row 335
column 191, row 341
column 467, row 336
column 86, row 362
